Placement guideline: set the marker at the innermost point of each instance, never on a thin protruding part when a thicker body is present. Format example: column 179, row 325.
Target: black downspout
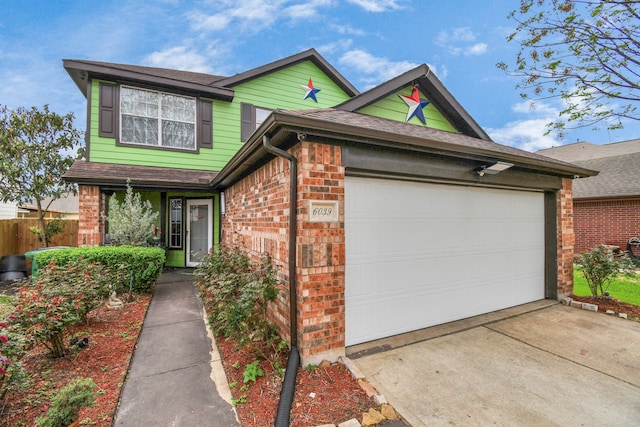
column 289, row 383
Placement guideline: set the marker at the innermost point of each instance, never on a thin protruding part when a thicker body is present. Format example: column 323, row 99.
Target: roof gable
column 451, row 114
column 283, row 88
column 308, row 55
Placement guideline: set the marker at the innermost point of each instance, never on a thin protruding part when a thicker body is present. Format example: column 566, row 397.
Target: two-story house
column 386, row 211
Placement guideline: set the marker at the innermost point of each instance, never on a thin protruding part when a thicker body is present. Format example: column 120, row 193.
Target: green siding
column 176, row 257
column 280, row 89
column 394, row 108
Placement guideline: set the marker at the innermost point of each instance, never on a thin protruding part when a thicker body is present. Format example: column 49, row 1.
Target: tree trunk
column 43, row 225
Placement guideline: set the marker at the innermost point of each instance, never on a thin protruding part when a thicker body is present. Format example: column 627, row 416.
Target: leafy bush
column 236, row 291
column 600, row 267
column 12, row 374
column 66, row 405
column 131, row 266
column 60, row 297
column 131, row 222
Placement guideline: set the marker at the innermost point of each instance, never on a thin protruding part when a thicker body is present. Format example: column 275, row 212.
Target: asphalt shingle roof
column 618, row 177
column 618, row 164
column 144, row 176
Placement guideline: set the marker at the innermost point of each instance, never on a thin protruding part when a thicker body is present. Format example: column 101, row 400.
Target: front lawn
column 623, row 288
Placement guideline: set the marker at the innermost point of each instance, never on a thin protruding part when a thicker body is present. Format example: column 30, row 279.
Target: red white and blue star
column 310, row 91
column 415, row 105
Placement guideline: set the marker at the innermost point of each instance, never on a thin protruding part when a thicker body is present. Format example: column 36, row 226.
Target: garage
column 420, row 254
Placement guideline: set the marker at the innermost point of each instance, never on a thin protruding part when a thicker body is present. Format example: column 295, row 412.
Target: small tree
column 587, row 53
column 132, row 222
column 600, row 267
column 35, row 151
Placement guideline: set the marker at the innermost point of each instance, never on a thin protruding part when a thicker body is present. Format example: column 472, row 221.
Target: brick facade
column 257, row 219
column 90, row 207
column 566, row 238
column 609, row 222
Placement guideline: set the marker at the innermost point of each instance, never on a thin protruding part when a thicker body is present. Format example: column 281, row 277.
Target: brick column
column 566, row 239
column 321, row 255
column 90, row 223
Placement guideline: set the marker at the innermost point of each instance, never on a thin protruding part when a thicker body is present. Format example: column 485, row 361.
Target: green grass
column 623, row 288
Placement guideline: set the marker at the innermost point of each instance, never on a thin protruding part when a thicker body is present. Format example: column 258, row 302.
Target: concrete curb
column 568, row 301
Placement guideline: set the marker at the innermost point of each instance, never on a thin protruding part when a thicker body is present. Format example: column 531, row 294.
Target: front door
column 199, row 230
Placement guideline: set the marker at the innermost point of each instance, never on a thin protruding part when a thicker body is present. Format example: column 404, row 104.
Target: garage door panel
column 424, row 254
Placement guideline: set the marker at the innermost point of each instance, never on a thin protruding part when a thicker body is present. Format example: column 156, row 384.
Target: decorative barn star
column 415, row 105
column 310, row 91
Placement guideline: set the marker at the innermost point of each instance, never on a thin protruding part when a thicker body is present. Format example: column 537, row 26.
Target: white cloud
column 375, row 69
column 254, row 15
column 528, row 133
column 337, row 46
column 347, row 30
column 306, row 10
column 377, row 5
column 460, row 40
column 476, row 49
column 178, row 58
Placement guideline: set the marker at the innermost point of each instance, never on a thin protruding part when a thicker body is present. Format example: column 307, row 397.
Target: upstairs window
column 251, row 118
column 157, row 119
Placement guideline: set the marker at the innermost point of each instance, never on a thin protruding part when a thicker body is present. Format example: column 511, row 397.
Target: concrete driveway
column 555, row 365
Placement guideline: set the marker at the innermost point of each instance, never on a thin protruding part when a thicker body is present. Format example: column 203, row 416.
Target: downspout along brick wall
column 566, row 239
column 257, row 219
column 609, row 222
column 90, row 224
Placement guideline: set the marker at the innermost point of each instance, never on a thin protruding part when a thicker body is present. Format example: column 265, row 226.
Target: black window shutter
column 205, row 134
column 108, row 117
column 248, row 121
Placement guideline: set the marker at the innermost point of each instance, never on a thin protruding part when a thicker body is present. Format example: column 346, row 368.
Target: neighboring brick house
column 606, row 207
column 385, row 212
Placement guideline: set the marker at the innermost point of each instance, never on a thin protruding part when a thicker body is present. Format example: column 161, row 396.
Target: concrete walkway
column 176, row 376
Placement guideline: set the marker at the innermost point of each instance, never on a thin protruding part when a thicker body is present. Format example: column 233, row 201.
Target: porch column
column 90, row 223
column 566, row 239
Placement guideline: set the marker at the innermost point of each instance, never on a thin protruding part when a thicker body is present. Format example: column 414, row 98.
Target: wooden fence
column 16, row 238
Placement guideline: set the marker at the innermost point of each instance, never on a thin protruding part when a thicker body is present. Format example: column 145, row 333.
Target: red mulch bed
column 112, row 336
column 324, row 395
column 604, row 304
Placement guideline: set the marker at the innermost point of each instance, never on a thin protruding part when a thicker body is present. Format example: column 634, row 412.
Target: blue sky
column 368, row 41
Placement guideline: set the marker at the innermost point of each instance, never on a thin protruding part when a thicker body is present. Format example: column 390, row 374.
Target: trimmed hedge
column 144, row 262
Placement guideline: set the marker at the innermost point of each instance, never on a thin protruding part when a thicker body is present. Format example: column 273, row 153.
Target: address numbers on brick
column 323, row 211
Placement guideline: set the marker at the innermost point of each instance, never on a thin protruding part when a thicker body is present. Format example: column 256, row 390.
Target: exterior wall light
column 494, row 169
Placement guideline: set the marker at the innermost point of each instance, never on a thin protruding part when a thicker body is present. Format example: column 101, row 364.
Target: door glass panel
column 199, row 232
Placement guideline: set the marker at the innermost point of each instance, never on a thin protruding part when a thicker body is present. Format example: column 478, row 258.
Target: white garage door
column 421, row 254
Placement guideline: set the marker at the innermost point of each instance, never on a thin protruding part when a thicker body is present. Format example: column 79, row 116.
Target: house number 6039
column 323, row 211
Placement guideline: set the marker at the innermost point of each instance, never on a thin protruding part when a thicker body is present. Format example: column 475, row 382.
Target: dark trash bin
column 13, row 267
column 32, row 254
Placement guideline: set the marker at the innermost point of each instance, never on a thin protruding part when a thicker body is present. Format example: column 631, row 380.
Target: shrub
column 12, row 374
column 60, row 297
column 236, row 292
column 600, row 267
column 130, row 266
column 132, row 222
column 66, row 405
